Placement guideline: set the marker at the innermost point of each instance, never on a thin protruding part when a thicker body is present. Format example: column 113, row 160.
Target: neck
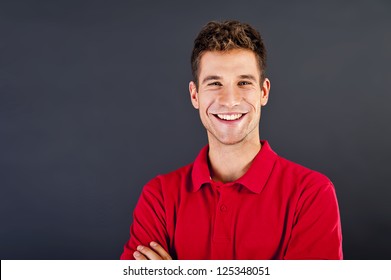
column 230, row 162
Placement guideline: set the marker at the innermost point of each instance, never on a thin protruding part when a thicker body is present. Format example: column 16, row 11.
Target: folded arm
column 148, row 233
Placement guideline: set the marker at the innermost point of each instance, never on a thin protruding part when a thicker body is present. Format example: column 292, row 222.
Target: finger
column 138, row 256
column 160, row 250
column 148, row 253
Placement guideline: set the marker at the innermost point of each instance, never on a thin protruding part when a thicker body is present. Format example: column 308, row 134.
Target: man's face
column 230, row 96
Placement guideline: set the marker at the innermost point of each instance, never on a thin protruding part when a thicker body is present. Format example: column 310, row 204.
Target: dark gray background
column 94, row 103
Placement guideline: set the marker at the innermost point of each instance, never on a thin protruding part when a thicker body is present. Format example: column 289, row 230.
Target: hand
column 154, row 252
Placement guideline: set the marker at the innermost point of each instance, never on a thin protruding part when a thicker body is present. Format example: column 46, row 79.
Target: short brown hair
column 225, row 36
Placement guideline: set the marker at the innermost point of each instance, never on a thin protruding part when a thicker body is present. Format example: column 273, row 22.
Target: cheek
column 205, row 105
column 255, row 104
column 203, row 112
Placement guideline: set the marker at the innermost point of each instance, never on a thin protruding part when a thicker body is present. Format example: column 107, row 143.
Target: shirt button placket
column 222, row 224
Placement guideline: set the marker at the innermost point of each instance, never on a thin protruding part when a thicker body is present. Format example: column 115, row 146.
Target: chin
column 230, row 141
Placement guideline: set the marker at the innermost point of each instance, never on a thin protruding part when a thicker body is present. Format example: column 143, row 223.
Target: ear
column 265, row 89
column 193, row 94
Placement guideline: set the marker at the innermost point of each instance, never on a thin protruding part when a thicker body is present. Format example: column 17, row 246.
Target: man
column 239, row 199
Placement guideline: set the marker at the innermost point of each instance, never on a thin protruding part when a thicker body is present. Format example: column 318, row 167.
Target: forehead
column 234, row 62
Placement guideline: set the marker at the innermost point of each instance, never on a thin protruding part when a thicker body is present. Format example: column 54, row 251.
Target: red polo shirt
column 276, row 210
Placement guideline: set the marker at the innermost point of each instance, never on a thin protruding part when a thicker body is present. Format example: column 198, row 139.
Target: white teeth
column 229, row 117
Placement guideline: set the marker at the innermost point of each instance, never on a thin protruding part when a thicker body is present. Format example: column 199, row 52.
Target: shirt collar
column 254, row 179
column 200, row 174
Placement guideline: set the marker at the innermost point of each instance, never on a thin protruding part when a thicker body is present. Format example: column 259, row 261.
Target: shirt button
column 223, row 208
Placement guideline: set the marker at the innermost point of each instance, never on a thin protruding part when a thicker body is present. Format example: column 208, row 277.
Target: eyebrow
column 210, row 78
column 249, row 77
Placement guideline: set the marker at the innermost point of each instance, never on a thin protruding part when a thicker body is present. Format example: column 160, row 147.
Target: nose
column 230, row 97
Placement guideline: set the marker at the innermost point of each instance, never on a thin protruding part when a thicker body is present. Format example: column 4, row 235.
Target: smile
column 229, row 117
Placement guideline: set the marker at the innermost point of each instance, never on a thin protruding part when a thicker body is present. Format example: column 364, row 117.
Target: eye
column 215, row 84
column 244, row 83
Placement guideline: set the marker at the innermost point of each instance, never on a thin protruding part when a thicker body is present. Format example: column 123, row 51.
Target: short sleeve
column 316, row 232
column 149, row 222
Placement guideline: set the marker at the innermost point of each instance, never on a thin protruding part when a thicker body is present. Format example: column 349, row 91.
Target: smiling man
column 238, row 199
